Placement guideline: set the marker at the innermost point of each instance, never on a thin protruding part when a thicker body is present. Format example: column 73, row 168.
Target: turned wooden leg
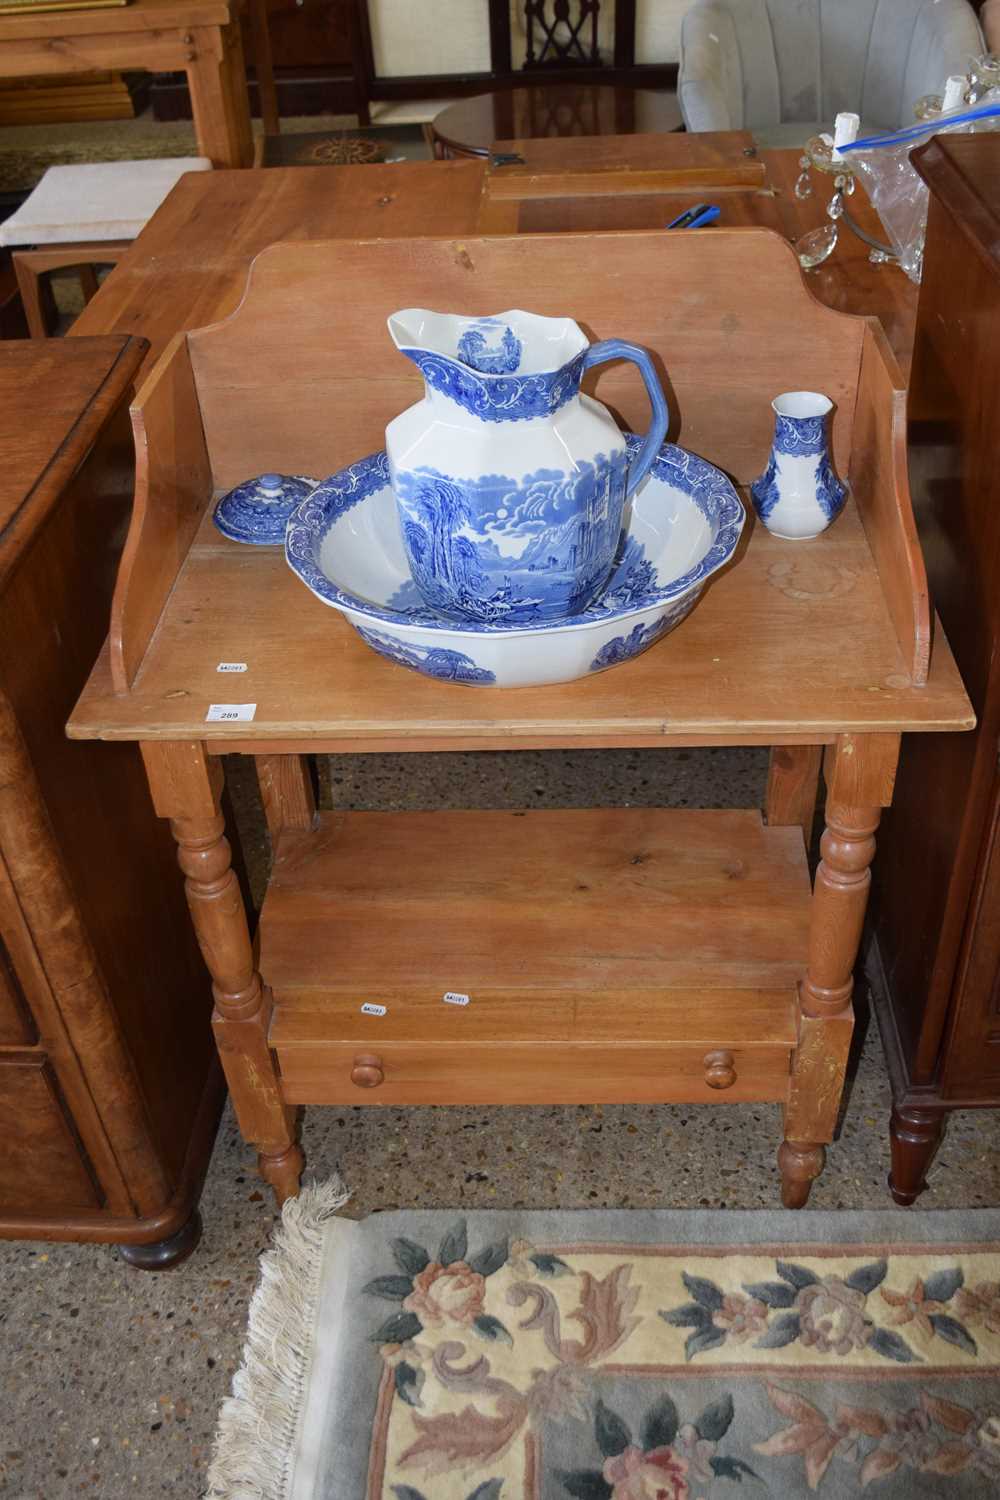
column 263, row 65
column 281, row 1170
column 826, row 1017
column 860, row 773
column 799, row 1162
column 792, row 781
column 186, row 788
column 914, row 1134
column 840, row 896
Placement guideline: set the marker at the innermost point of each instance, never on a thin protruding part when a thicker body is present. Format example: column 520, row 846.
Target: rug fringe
column 258, row 1422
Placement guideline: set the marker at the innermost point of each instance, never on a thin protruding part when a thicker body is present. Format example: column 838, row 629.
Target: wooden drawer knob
column 367, row 1072
column 720, row 1070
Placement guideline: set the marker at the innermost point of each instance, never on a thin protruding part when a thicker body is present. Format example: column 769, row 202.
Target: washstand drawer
column 571, row 1047
column 526, row 1073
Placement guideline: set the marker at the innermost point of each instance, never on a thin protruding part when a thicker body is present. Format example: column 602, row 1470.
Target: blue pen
column 698, row 217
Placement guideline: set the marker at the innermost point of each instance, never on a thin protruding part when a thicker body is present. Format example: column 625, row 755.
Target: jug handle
column 607, row 349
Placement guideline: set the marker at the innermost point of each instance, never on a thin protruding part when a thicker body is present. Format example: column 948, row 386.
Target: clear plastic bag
column 898, row 194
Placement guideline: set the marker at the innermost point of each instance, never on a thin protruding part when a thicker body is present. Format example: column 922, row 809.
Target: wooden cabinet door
column 42, row 1164
column 16, row 1025
column 972, row 1070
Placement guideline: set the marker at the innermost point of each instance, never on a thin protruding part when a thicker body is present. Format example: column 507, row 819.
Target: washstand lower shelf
column 610, row 956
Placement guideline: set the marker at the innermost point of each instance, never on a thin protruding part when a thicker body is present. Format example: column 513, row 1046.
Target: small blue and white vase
column 798, row 495
column 257, row 510
column 510, row 483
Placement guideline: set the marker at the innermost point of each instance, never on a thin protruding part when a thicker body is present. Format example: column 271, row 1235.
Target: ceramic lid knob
column 257, row 511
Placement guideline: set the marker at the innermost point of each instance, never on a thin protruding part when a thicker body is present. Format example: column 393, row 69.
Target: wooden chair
column 567, row 55
column 263, row 66
column 557, row 39
column 83, row 217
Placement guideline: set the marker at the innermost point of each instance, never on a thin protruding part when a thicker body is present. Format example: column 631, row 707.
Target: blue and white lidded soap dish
column 257, row 510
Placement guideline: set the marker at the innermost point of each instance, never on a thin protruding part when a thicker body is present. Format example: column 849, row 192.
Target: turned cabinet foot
column 282, row 1170
column 799, row 1163
column 914, row 1135
column 164, row 1255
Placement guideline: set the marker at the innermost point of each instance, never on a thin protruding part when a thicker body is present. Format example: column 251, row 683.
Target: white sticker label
column 454, row 998
column 228, row 711
column 368, row 1009
column 231, row 666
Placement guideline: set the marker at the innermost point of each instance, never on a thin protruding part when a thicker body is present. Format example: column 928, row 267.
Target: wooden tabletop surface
column 566, row 110
column 43, row 443
column 139, row 15
column 189, row 265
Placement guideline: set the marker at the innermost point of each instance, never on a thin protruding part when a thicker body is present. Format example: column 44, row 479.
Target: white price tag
column 454, row 998
column 368, row 1009
column 219, row 712
column 231, row 666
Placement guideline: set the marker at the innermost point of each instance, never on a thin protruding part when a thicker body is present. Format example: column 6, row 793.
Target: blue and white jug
column 798, row 495
column 511, row 484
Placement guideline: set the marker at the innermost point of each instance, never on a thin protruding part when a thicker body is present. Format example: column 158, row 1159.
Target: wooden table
column 610, row 955
column 189, row 264
column 470, row 127
column 198, row 37
column 639, row 184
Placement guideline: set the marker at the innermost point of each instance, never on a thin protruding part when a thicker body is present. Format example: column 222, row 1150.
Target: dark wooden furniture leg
column 363, row 60
column 263, row 64
column 186, row 787
column 915, row 1134
column 860, row 770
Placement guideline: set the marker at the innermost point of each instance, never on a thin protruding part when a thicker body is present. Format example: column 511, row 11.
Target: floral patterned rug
column 619, row 1356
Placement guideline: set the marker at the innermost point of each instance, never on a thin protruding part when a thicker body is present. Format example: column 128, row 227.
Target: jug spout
column 507, row 343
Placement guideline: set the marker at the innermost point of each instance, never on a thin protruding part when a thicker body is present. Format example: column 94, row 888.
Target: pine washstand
column 611, row 954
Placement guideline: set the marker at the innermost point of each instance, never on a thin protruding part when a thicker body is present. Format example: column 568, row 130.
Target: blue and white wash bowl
column 511, row 484
column 798, row 495
column 681, row 526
